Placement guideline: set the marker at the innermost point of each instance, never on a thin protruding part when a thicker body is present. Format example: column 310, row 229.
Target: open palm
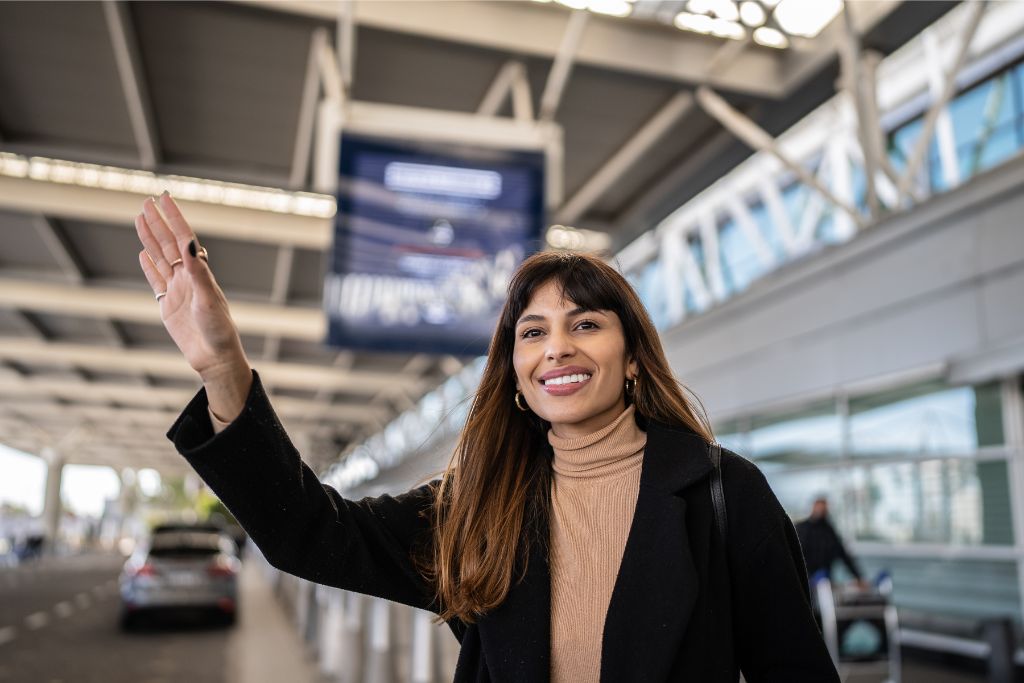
column 194, row 310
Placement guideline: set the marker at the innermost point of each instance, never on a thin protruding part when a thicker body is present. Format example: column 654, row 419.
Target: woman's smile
column 564, row 385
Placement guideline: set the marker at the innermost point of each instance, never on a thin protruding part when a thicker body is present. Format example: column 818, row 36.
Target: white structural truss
column 826, row 153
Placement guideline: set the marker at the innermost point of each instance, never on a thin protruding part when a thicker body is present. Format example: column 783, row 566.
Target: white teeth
column 567, row 379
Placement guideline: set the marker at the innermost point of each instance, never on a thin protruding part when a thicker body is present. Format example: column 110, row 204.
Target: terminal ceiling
column 86, row 366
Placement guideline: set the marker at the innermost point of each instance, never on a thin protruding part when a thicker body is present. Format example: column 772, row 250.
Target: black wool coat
column 682, row 609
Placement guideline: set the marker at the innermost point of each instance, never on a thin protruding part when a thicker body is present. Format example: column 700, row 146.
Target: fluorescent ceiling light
column 806, row 17
column 615, row 8
column 752, row 13
column 149, row 184
column 770, row 37
column 701, row 23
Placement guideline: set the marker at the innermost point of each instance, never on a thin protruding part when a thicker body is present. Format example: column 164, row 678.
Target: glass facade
column 988, row 128
column 921, row 468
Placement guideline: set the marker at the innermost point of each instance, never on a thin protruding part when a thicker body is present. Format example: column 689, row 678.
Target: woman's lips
column 565, row 389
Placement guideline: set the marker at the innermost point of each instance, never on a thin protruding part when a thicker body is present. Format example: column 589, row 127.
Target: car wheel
column 129, row 621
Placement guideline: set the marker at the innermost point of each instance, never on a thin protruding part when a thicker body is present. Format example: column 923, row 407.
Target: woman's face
column 555, row 339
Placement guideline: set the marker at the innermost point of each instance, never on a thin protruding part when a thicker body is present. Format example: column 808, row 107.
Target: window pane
column 930, row 501
column 797, row 491
column 807, row 436
column 926, row 418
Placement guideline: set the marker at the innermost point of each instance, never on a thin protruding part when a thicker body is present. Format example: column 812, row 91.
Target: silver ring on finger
column 175, row 262
column 160, row 295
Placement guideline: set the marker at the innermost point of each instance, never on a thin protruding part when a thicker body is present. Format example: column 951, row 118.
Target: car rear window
column 182, row 551
column 185, row 544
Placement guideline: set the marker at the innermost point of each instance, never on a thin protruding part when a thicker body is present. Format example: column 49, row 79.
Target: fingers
column 196, row 266
column 178, row 225
column 154, row 251
column 169, row 248
column 158, row 283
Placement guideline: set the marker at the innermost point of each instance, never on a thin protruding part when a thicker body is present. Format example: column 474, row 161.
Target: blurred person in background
column 582, row 468
column 821, row 543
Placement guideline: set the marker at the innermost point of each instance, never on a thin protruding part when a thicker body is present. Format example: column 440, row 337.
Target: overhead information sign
column 426, row 239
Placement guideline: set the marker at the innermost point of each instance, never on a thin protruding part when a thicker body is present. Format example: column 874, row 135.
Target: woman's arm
column 302, row 526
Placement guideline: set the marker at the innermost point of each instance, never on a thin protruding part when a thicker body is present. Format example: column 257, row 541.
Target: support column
column 423, row 660
column 52, row 507
column 127, row 504
column 352, row 639
column 380, row 664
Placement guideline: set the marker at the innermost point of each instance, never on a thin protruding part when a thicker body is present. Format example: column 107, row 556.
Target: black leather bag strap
column 717, row 492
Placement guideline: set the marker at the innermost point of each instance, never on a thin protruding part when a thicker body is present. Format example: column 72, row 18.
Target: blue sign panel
column 425, row 242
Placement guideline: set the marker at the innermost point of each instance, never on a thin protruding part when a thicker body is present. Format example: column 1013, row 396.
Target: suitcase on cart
column 860, row 627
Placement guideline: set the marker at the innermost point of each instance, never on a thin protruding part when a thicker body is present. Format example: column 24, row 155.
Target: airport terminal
column 816, row 202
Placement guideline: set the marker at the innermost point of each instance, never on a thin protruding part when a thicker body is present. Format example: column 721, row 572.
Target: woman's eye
column 588, row 322
column 527, row 335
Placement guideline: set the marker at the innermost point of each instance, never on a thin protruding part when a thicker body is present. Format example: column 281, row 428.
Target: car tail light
column 221, row 567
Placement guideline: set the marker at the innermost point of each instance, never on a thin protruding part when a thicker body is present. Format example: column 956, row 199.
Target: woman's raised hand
column 194, row 310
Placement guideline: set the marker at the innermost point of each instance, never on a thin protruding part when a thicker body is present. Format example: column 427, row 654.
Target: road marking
column 63, row 609
column 7, row 634
column 37, row 620
column 83, row 600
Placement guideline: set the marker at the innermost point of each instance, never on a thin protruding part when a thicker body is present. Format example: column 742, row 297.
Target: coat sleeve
column 776, row 636
column 304, row 527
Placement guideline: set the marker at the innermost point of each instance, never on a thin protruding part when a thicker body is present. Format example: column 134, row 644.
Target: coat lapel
column 654, row 592
column 656, row 587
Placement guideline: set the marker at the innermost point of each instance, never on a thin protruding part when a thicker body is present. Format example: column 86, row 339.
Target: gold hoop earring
column 518, row 404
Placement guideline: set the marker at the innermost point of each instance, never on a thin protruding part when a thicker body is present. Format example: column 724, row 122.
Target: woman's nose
column 559, row 346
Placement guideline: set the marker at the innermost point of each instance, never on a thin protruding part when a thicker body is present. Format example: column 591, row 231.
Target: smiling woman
column 570, row 538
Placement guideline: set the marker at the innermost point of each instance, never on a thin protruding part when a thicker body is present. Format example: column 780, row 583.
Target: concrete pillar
column 128, row 501
column 423, row 664
column 332, row 632
column 380, row 665
column 52, row 507
column 351, row 670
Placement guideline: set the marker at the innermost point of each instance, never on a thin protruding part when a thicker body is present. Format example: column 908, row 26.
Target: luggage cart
column 849, row 612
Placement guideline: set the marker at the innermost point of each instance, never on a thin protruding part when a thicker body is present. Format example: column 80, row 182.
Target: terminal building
column 821, row 220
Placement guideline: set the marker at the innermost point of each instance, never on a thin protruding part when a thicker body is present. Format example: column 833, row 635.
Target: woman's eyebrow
column 536, row 317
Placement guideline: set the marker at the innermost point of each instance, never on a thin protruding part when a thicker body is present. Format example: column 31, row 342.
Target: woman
column 571, row 538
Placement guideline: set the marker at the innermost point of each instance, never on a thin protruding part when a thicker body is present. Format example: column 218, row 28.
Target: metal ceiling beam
column 163, row 397
column 129, row 67
column 71, row 264
column 510, row 79
column 120, row 207
column 558, row 77
column 338, row 378
column 307, row 113
column 279, row 295
column 250, row 318
column 624, row 159
column 536, row 30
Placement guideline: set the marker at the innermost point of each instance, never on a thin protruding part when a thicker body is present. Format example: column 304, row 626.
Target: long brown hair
column 497, row 485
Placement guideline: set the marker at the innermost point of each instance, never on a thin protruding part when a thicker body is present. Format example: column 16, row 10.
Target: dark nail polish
column 192, row 248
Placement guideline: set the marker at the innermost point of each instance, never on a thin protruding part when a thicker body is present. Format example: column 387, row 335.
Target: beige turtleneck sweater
column 594, row 489
column 594, row 492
